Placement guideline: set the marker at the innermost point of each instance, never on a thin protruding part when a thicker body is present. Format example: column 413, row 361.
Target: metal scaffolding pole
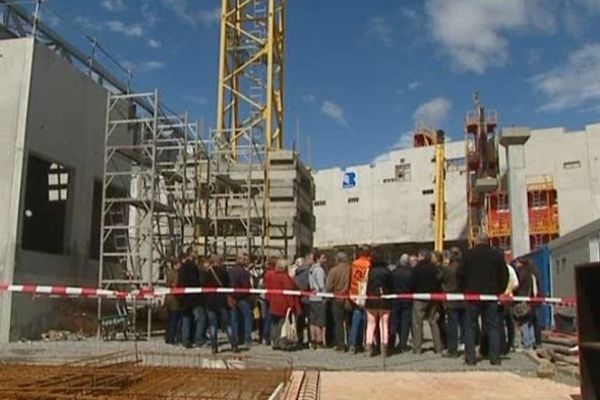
column 147, row 206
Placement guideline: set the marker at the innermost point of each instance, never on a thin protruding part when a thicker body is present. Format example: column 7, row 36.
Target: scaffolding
column 232, row 202
column 498, row 221
column 542, row 201
column 542, row 209
column 149, row 196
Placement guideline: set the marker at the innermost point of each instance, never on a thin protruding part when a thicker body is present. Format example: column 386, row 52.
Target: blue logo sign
column 349, row 180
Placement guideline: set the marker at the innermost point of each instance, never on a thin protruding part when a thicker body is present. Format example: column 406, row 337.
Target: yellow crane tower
column 440, row 191
column 250, row 92
column 251, row 75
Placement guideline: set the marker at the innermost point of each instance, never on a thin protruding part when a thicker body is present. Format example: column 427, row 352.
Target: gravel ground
column 326, row 359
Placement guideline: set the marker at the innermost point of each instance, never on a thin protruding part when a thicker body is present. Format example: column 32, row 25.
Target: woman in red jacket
column 279, row 279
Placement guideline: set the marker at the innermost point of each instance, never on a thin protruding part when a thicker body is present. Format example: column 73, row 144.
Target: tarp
column 541, row 259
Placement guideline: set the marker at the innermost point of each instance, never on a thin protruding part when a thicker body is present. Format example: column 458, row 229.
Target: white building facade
column 390, row 202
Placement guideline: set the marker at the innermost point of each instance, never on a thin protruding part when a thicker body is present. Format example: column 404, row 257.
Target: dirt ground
column 476, row 385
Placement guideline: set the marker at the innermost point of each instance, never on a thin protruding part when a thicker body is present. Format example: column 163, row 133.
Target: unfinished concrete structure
column 233, row 215
column 389, row 202
column 514, row 139
column 49, row 224
column 104, row 185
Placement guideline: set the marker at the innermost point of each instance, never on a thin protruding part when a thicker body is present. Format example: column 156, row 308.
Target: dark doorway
column 46, row 197
column 96, row 218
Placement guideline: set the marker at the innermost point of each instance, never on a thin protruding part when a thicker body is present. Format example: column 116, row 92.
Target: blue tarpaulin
column 541, row 259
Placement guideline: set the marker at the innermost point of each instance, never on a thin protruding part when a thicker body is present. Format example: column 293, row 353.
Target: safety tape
column 149, row 293
column 63, row 291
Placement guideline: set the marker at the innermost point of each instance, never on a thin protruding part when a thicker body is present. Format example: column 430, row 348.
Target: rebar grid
column 152, row 376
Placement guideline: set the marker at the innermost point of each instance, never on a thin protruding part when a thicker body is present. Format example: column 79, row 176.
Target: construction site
column 103, row 186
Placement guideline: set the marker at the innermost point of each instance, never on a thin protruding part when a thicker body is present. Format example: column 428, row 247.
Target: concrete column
column 15, row 69
column 514, row 139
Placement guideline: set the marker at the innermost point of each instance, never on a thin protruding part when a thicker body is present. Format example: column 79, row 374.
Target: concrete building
column 580, row 246
column 52, row 122
column 390, row 202
column 53, row 125
column 291, row 205
column 234, row 220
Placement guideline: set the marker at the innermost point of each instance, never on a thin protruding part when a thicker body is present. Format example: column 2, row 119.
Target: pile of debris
column 561, row 350
column 60, row 336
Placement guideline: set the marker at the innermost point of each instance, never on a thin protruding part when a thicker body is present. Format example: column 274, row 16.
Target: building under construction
column 106, row 184
column 501, row 182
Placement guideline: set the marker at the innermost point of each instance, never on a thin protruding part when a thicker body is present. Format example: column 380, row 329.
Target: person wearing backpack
column 218, row 305
column 523, row 312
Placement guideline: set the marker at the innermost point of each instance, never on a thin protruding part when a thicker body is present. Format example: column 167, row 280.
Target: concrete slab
column 486, row 185
column 515, row 136
column 476, row 385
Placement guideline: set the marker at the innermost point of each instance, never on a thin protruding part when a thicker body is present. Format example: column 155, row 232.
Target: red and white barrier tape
column 63, row 291
column 148, row 293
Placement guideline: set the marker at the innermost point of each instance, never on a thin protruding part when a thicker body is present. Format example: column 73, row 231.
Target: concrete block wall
column 290, row 190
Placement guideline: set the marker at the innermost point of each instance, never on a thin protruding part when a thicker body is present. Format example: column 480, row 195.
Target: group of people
column 356, row 319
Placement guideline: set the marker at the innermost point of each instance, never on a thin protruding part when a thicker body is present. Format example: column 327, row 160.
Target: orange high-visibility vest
column 359, row 274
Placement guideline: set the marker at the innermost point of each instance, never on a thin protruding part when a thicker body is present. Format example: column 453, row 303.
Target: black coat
column 483, row 271
column 403, row 278
column 427, row 278
column 189, row 277
column 380, row 281
column 216, row 301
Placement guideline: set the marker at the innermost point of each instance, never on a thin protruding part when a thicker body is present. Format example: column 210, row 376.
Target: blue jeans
column 198, row 316
column 491, row 326
column 527, row 334
column 172, row 326
column 357, row 328
column 265, row 312
column 214, row 316
column 400, row 323
column 455, row 327
column 243, row 309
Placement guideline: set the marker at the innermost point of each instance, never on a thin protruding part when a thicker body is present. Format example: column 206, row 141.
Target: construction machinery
column 249, row 127
column 425, row 136
column 440, row 191
column 481, row 150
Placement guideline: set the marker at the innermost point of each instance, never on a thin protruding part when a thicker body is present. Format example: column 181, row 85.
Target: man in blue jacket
column 239, row 278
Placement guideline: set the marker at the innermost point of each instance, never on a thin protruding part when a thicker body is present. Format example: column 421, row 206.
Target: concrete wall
column 398, row 212
column 578, row 189
column 292, row 194
column 65, row 119
column 578, row 247
column 388, row 211
column 15, row 68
